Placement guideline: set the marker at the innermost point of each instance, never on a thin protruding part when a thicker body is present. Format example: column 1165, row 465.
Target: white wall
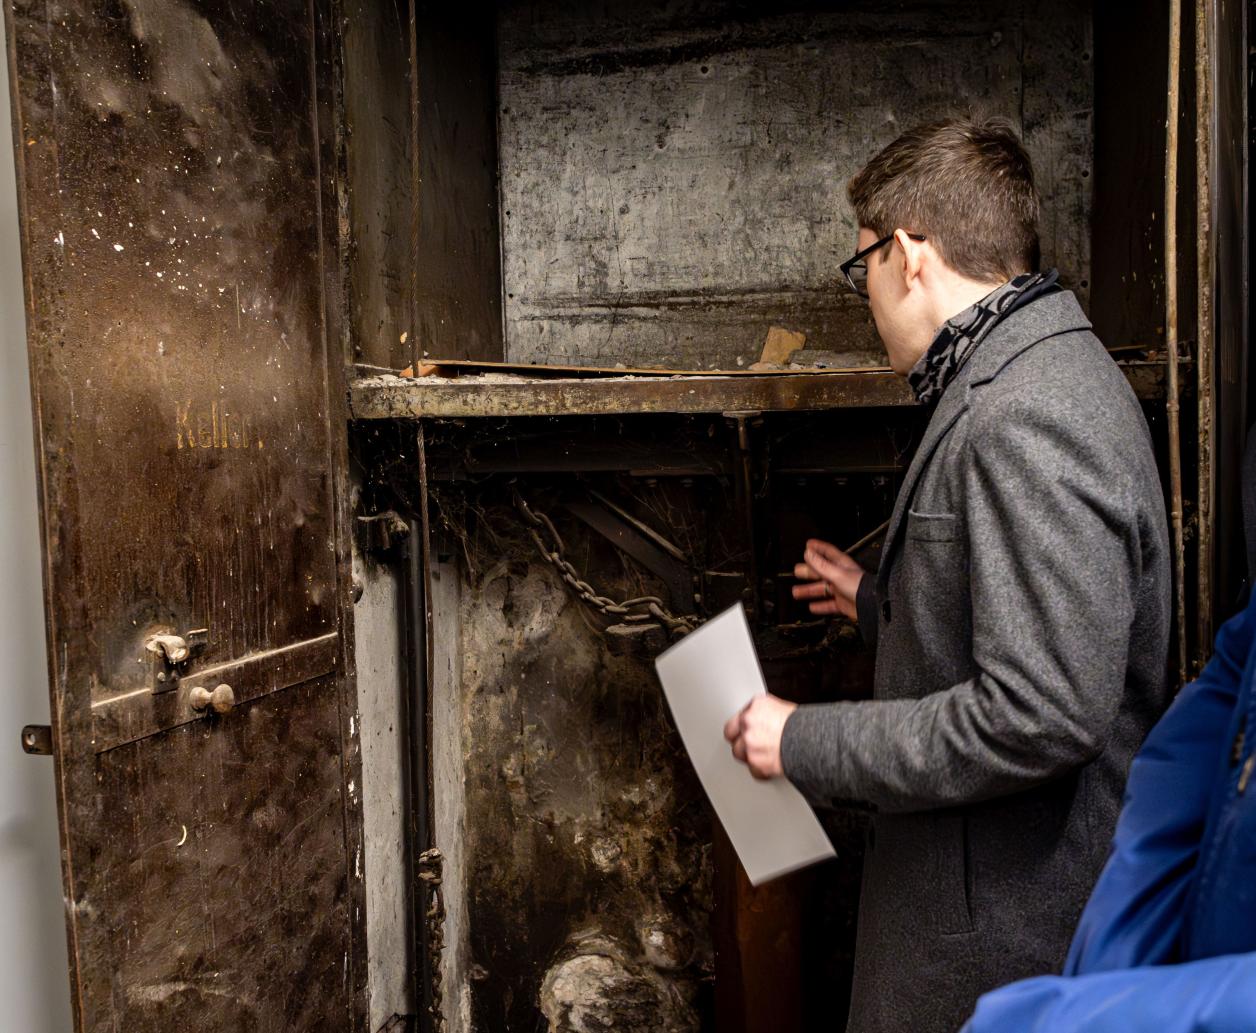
column 34, row 984
column 377, row 647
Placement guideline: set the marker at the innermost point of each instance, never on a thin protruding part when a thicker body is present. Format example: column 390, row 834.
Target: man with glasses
column 1020, row 614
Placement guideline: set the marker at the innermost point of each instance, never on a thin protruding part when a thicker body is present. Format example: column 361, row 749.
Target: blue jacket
column 1167, row 943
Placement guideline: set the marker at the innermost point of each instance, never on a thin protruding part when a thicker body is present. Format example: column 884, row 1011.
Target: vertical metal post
column 1204, row 361
column 428, row 941
column 743, row 473
column 1172, row 406
column 418, row 831
column 416, row 150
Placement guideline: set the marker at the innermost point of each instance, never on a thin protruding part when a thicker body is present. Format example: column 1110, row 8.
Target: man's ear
column 913, row 256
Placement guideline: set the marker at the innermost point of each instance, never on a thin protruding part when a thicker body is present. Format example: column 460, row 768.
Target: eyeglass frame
column 861, row 256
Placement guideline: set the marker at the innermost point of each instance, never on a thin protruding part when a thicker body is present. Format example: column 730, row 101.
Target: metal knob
column 222, row 699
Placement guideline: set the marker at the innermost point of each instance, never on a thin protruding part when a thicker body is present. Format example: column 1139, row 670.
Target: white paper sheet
column 707, row 677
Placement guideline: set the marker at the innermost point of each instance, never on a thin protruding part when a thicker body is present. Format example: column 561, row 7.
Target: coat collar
column 1046, row 317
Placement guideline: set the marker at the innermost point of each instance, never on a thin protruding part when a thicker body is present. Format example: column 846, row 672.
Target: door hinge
column 37, row 740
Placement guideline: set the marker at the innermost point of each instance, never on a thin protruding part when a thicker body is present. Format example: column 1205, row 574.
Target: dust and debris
column 666, row 944
column 597, row 988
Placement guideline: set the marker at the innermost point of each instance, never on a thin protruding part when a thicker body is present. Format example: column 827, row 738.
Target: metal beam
column 385, row 397
column 390, row 397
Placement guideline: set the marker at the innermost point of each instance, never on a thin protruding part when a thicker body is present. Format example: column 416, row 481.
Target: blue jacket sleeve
column 1217, row 995
column 1134, row 916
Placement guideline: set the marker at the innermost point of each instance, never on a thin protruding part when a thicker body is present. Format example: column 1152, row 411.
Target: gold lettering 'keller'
column 213, row 426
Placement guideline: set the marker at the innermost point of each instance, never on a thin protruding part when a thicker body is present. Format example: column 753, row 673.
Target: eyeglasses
column 856, row 269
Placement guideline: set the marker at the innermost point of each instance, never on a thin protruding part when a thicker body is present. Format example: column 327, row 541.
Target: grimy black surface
column 179, row 264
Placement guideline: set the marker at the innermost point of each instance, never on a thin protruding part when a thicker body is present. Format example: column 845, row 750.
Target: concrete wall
column 448, row 758
column 379, row 649
column 34, row 979
column 578, row 875
column 673, row 175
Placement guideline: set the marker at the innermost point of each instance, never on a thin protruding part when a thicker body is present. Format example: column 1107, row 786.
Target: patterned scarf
column 959, row 336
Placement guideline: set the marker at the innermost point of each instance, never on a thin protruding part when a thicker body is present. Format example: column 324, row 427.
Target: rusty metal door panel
column 216, row 890
column 176, row 246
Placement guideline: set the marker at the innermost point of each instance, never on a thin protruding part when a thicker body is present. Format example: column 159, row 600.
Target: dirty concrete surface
column 673, row 175
column 582, row 879
column 587, row 836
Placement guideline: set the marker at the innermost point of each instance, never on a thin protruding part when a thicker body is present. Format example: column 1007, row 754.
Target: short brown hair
column 967, row 185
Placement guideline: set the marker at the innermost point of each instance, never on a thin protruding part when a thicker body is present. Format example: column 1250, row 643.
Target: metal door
column 179, row 246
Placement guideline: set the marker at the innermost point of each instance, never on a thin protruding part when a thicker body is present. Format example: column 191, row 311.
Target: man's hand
column 829, row 578
column 755, row 732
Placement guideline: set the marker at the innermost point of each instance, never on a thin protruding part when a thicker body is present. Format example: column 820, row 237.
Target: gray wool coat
column 1022, row 625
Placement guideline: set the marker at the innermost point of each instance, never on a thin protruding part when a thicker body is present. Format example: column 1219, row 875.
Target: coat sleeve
column 1217, row 995
column 868, row 615
column 1134, row 916
column 1055, row 566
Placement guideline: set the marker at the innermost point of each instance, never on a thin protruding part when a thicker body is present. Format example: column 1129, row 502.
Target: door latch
column 170, row 655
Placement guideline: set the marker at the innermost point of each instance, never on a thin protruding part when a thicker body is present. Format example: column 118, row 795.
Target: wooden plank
column 457, row 367
column 780, row 345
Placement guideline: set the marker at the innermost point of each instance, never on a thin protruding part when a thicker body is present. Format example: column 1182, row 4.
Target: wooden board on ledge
column 394, row 397
column 456, row 367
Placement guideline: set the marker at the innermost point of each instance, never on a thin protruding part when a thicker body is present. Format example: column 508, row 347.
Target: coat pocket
column 932, row 527
column 954, row 874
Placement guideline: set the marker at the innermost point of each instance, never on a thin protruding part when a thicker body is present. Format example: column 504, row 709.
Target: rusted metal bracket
column 383, row 532
column 642, row 543
column 37, row 740
column 171, row 654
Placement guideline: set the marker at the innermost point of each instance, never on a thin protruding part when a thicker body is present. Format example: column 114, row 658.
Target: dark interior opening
column 659, row 185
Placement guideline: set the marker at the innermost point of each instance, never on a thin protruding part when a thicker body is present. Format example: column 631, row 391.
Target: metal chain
column 642, row 610
column 431, row 872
